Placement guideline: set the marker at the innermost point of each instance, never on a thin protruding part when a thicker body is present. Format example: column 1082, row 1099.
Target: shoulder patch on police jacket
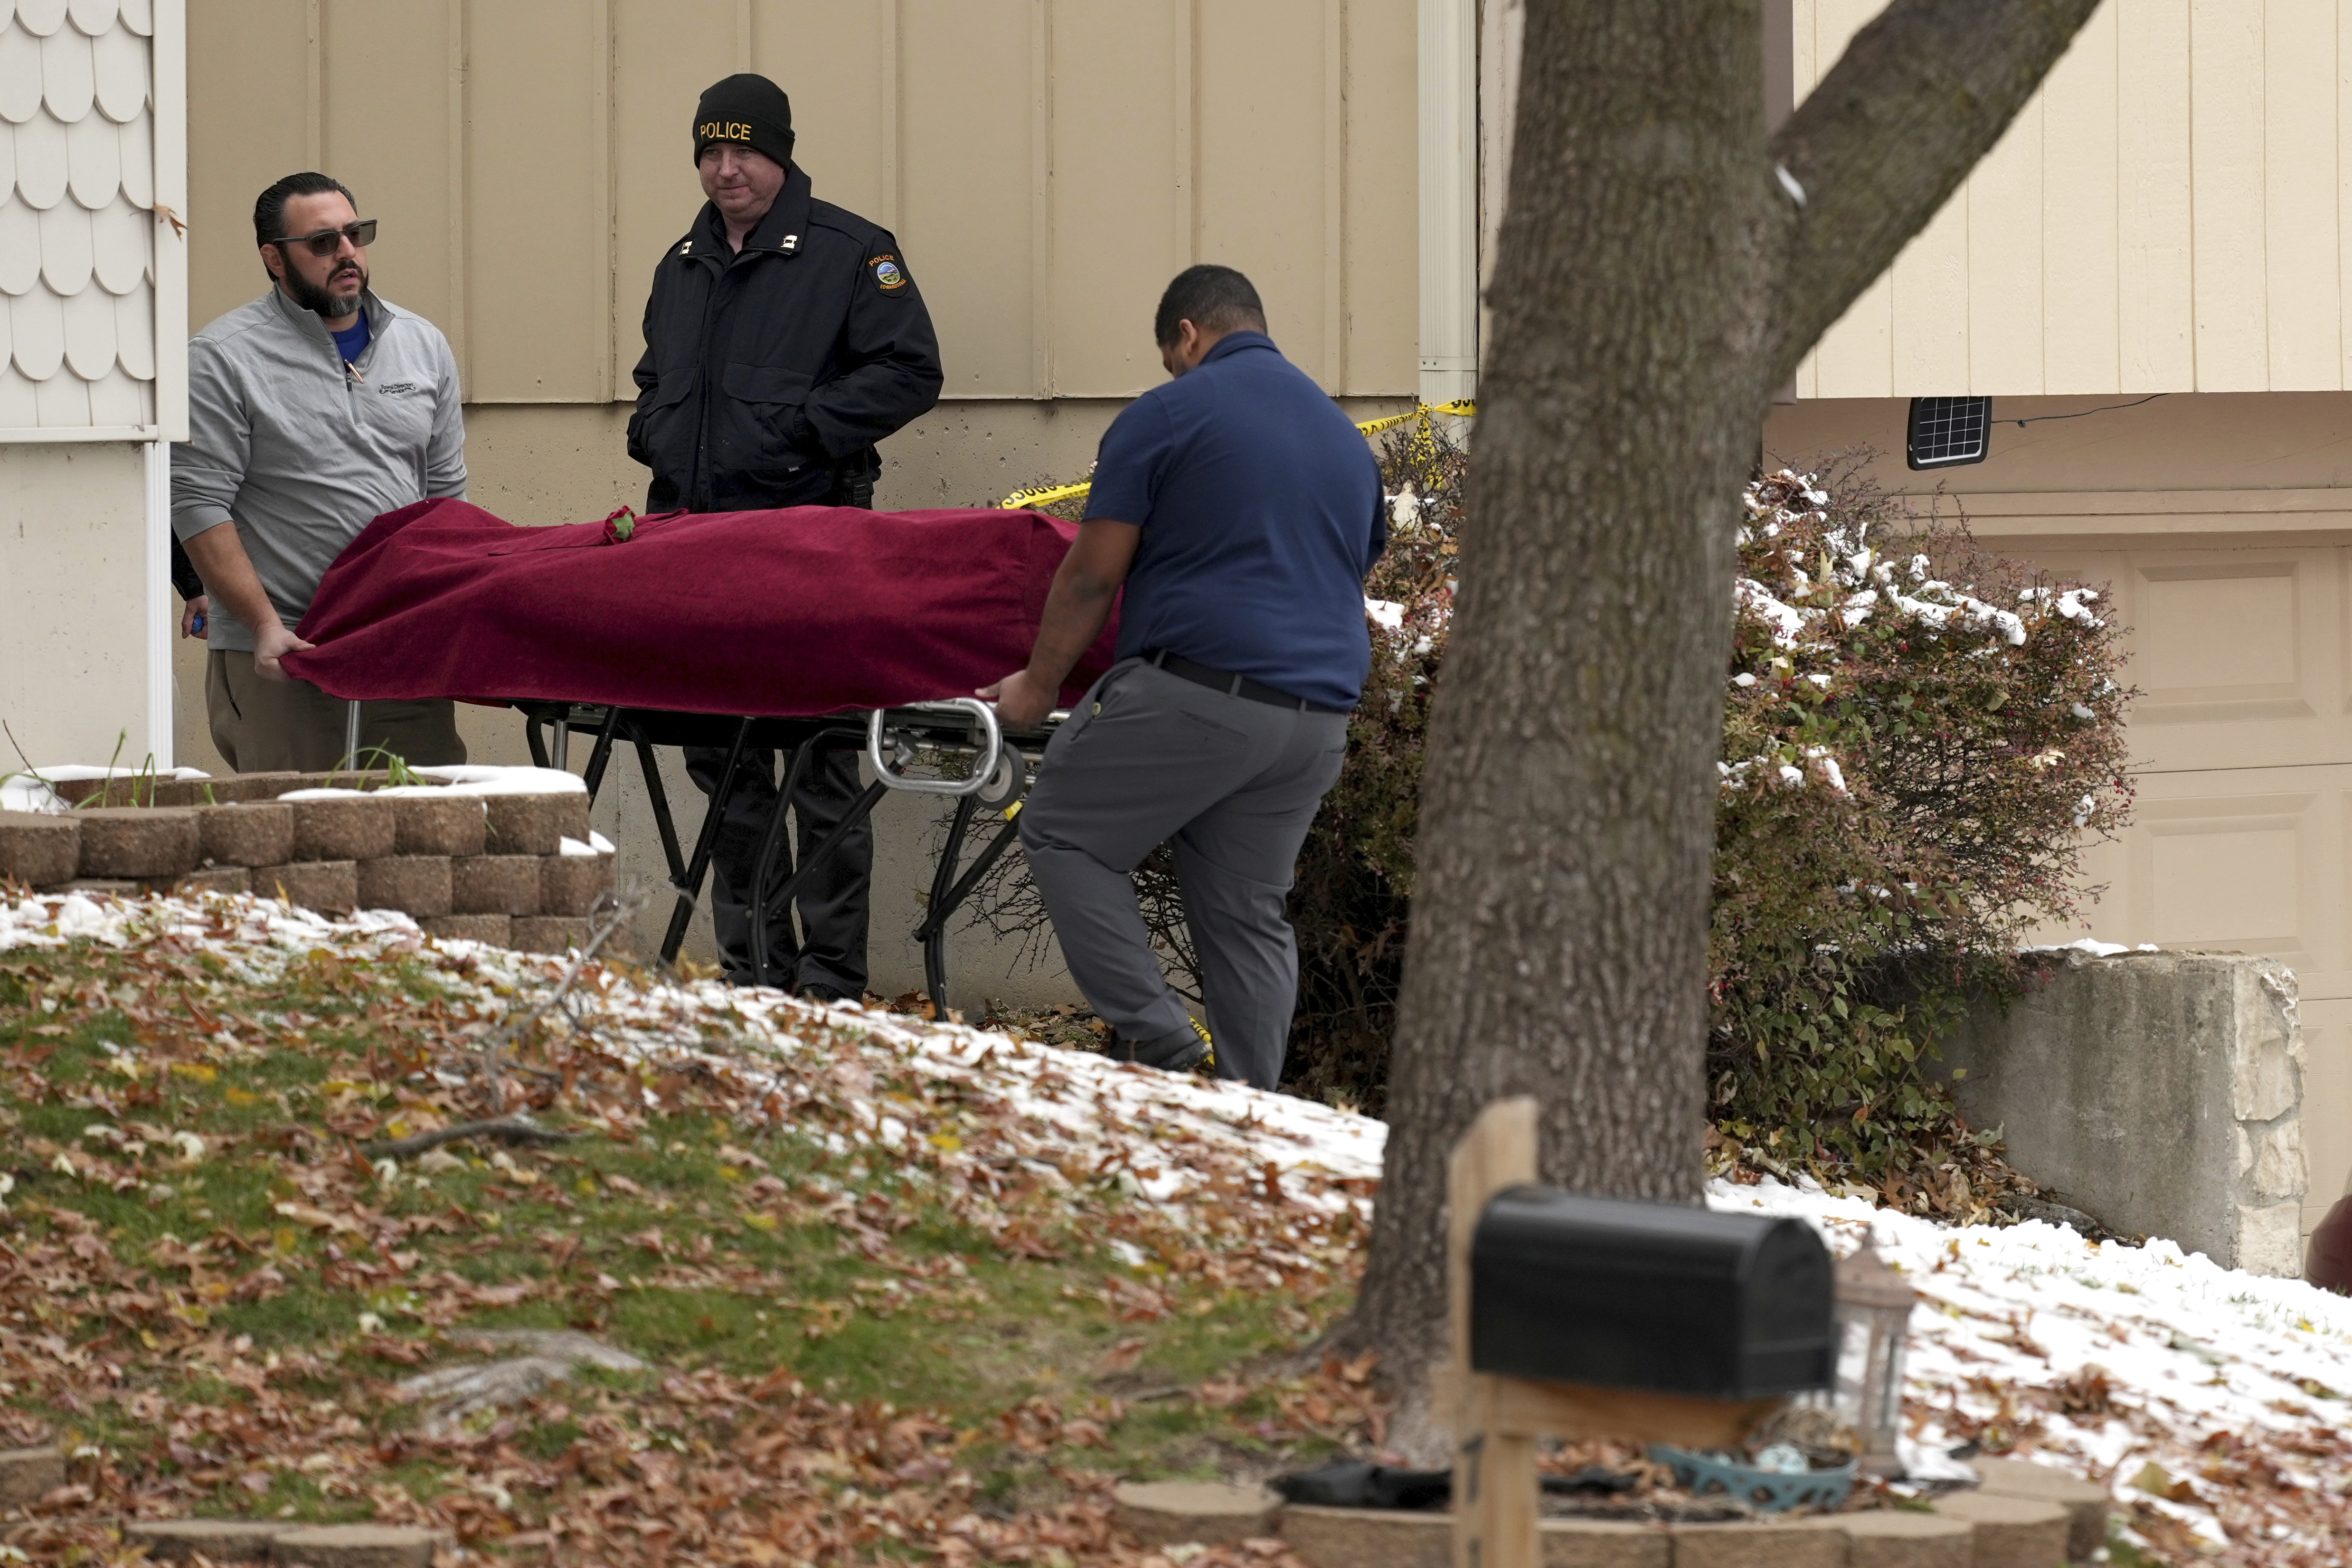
column 888, row 276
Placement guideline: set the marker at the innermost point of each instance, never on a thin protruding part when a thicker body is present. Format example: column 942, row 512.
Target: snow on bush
column 1919, row 741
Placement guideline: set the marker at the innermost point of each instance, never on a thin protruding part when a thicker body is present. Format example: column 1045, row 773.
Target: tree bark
column 1656, row 280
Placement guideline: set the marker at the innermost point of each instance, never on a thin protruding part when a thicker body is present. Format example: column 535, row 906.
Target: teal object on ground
column 1774, row 1491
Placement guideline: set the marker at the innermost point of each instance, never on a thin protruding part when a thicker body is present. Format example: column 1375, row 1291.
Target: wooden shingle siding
column 77, row 197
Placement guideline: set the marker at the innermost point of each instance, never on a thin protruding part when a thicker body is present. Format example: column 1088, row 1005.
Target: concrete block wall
column 2161, row 1093
column 485, row 867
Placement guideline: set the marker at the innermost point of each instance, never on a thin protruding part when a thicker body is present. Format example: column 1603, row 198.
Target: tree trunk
column 1657, row 278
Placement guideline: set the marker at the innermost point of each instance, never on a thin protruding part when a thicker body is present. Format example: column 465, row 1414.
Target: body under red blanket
column 805, row 611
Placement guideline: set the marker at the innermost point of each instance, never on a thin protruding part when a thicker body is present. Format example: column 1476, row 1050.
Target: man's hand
column 1085, row 587
column 219, row 558
column 270, row 644
column 196, row 607
column 1021, row 700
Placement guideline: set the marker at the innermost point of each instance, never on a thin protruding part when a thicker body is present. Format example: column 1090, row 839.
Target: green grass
column 752, row 1273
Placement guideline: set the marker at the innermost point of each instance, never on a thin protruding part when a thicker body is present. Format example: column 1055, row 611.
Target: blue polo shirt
column 1261, row 511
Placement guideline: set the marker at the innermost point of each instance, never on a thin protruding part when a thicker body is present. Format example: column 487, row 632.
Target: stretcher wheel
column 1005, row 784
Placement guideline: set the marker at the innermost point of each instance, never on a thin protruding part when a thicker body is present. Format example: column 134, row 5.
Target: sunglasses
column 327, row 241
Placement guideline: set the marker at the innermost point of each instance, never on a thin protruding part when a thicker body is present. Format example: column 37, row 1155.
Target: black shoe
column 1176, row 1053
column 822, row 995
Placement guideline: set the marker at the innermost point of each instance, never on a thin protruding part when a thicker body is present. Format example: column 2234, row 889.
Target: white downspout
column 163, row 618
column 168, row 52
column 1449, row 199
column 1500, row 29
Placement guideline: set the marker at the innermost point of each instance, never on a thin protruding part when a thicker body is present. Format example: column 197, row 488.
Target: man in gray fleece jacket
column 311, row 412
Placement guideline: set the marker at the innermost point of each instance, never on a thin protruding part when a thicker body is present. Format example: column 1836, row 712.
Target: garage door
column 2242, row 743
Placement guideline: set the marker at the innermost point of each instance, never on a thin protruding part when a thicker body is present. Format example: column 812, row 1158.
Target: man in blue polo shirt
column 1241, row 511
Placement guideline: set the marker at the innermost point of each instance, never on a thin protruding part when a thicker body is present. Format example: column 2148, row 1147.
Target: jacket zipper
column 698, row 497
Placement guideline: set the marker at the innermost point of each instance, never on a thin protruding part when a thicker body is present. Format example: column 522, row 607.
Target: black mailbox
column 1651, row 1296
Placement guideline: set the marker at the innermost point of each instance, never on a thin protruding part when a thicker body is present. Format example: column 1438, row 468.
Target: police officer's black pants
column 833, row 904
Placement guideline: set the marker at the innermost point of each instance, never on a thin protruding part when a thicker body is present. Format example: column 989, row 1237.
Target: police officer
column 784, row 338
column 1240, row 510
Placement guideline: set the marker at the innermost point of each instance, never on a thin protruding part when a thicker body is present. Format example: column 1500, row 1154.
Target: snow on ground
column 30, row 791
column 2108, row 1357
column 2123, row 1356
column 1085, row 1103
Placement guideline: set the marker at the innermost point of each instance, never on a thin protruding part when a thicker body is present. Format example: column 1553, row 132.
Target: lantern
column 1873, row 1316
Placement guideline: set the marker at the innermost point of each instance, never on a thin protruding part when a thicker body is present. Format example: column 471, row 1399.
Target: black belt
column 1231, row 685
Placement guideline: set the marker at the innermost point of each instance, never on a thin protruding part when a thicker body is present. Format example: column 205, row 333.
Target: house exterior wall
column 2169, row 213
column 92, row 369
column 73, row 579
column 2220, row 525
column 1045, row 164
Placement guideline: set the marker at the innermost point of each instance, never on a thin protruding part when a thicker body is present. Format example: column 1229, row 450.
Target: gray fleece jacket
column 304, row 451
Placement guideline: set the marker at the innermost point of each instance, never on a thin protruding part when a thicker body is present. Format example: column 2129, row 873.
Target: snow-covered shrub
column 1919, row 741
column 1355, row 874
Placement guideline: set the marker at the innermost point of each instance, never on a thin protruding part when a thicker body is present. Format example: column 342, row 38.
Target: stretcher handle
column 982, row 770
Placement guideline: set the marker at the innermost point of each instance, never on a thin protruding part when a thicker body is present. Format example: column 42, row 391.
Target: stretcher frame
column 998, row 779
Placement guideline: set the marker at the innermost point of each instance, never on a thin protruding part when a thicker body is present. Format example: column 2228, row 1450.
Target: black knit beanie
column 748, row 108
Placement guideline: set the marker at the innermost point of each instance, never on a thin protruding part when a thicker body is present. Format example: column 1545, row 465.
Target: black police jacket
column 768, row 374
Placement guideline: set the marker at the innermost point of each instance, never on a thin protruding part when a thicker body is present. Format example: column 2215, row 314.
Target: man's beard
column 314, row 296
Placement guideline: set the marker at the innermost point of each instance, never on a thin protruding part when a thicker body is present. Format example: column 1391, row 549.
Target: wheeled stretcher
column 996, row 774
column 806, row 630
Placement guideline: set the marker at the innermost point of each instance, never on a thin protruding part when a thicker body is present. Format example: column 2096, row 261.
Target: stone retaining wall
column 2161, row 1093
column 2024, row 1515
column 485, row 867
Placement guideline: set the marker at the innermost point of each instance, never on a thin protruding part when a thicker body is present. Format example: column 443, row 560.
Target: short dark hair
column 1213, row 299
column 270, row 207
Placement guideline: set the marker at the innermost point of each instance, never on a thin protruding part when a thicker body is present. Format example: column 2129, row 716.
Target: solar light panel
column 1946, row 432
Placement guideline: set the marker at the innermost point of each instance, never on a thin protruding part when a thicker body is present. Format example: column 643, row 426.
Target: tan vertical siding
column 969, row 94
column 1046, row 166
column 248, row 122
column 1264, row 186
column 2225, row 116
column 2303, row 291
column 537, row 285
column 384, row 78
column 2080, row 133
column 1858, row 351
column 848, row 112
column 664, row 55
column 1929, row 302
column 2005, row 199
column 2171, row 213
column 1382, row 199
column 1122, row 196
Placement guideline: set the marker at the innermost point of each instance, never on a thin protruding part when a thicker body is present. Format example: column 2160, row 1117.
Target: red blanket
column 784, row 613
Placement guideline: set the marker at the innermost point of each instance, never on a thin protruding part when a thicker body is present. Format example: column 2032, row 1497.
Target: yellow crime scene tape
column 1046, row 496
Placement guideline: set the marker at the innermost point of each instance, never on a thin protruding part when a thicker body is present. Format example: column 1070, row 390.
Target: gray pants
column 1149, row 757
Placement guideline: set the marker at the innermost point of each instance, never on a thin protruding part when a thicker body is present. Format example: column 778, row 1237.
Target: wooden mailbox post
column 1498, row 1418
